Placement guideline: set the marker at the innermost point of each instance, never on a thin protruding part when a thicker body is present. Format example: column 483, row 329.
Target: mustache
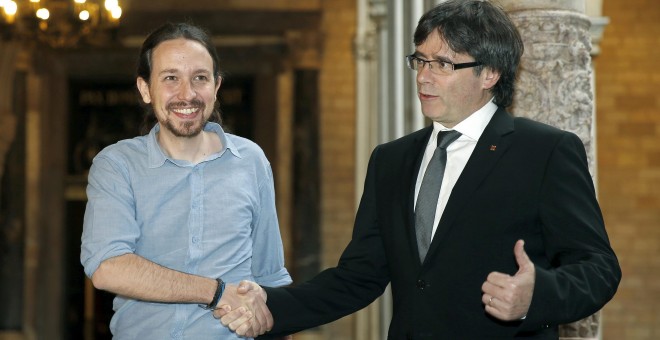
column 195, row 103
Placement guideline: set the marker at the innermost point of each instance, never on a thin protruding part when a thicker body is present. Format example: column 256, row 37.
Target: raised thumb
column 521, row 256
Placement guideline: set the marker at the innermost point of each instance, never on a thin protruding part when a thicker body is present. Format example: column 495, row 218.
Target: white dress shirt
column 458, row 154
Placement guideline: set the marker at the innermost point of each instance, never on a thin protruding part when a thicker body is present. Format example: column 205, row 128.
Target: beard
column 187, row 129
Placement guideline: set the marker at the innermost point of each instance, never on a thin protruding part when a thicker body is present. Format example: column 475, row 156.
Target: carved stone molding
column 543, row 5
column 585, row 329
column 554, row 81
column 378, row 11
column 366, row 45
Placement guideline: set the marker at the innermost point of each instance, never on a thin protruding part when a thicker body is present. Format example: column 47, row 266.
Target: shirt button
column 195, row 240
column 421, row 284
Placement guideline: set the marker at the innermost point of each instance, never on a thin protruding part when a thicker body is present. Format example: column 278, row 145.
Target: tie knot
column 447, row 137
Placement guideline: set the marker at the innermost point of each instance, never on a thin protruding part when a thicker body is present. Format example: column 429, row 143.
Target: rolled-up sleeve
column 268, row 257
column 110, row 227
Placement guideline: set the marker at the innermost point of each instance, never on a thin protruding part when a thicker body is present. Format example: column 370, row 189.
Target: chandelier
column 60, row 23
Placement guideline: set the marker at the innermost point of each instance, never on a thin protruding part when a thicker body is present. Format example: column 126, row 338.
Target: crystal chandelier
column 60, row 23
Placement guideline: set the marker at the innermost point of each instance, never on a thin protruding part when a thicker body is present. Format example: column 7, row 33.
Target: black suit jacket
column 524, row 180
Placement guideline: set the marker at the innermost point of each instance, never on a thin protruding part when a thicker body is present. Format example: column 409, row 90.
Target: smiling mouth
column 186, row 111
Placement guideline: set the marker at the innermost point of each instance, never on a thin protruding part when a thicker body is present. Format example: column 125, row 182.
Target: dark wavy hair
column 482, row 30
column 170, row 31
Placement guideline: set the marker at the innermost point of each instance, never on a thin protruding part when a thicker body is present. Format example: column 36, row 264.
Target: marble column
column 554, row 85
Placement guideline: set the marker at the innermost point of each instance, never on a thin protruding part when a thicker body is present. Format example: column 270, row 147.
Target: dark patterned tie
column 427, row 198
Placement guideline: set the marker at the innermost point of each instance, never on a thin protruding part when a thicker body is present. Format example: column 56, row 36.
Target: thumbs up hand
column 508, row 297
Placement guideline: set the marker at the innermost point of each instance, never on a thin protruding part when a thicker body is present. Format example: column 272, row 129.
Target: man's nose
column 423, row 73
column 186, row 91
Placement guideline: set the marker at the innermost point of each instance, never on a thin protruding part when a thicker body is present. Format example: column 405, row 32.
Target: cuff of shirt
column 277, row 279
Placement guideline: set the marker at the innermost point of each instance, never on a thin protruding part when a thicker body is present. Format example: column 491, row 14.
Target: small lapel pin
column 493, row 147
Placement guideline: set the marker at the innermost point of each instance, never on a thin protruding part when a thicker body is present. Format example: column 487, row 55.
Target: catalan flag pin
column 493, row 147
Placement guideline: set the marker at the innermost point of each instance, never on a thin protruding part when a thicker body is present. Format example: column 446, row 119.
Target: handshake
column 243, row 309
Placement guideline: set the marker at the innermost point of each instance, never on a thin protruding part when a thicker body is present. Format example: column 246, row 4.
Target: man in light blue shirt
column 176, row 218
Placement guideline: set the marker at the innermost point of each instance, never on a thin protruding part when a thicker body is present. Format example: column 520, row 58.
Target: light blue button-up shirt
column 216, row 218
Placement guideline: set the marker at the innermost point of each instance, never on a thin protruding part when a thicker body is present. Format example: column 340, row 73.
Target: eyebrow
column 436, row 57
column 202, row 70
column 174, row 70
column 169, row 70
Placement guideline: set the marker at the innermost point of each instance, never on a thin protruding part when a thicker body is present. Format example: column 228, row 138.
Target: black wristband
column 216, row 296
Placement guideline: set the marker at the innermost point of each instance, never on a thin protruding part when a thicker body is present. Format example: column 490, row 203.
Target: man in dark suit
column 516, row 243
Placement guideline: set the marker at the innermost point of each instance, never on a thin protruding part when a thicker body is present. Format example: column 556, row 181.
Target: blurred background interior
column 317, row 84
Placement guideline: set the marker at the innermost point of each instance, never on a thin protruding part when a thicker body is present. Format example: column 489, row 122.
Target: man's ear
column 490, row 77
column 143, row 87
column 218, row 81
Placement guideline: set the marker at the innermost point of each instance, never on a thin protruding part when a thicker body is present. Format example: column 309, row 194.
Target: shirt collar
column 472, row 126
column 157, row 157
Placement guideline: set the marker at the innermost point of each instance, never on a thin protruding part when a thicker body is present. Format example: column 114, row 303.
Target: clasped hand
column 243, row 309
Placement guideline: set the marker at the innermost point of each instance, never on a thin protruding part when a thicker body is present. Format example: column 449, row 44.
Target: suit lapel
column 491, row 146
